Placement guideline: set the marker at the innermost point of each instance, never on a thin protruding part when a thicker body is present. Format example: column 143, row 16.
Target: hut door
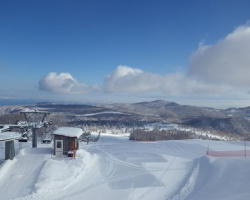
column 59, row 147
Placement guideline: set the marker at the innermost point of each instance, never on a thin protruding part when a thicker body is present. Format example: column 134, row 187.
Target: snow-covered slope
column 10, row 109
column 116, row 168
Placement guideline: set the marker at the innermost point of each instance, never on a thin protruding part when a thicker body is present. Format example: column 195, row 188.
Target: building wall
column 67, row 143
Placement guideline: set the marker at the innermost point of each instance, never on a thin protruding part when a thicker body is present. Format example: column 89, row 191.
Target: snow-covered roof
column 68, row 131
column 9, row 136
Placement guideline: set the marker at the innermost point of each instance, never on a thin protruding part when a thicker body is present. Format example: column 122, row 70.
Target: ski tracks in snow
column 21, row 176
column 115, row 168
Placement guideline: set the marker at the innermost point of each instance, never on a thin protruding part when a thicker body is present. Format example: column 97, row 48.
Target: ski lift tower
column 35, row 120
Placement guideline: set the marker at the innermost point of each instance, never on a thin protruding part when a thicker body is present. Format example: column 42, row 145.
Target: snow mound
column 210, row 178
column 59, row 174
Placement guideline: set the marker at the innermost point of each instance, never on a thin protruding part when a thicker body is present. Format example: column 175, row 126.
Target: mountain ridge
column 232, row 120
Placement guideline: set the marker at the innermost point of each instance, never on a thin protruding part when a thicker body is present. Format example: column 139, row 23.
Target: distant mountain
column 11, row 109
column 14, row 102
column 232, row 120
column 169, row 111
column 236, row 125
column 71, row 108
column 238, row 112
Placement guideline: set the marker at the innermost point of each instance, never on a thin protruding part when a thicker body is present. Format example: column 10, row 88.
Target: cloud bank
column 218, row 70
column 125, row 79
column 226, row 62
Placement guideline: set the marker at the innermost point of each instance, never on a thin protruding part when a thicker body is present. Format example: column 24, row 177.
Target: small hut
column 66, row 141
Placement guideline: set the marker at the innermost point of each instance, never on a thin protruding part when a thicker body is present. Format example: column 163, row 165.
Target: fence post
column 245, row 148
column 208, row 147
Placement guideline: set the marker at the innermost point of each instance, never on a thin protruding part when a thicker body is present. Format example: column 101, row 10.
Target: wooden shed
column 66, row 141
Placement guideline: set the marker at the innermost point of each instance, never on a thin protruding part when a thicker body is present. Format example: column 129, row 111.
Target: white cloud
column 227, row 62
column 219, row 71
column 63, row 83
column 125, row 79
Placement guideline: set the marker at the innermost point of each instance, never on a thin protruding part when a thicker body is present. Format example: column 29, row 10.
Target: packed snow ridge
column 117, row 168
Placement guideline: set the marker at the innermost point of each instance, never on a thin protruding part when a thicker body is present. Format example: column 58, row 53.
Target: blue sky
column 90, row 39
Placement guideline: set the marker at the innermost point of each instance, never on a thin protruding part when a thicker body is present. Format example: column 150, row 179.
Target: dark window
column 58, row 144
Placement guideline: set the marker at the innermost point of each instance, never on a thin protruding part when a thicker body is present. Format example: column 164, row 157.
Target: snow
column 101, row 113
column 28, row 110
column 9, row 136
column 3, row 127
column 161, row 126
column 22, row 123
column 68, row 131
column 7, row 109
column 116, row 168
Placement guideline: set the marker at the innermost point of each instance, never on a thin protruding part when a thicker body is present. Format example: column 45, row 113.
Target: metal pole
column 12, row 150
column 9, row 150
column 34, row 137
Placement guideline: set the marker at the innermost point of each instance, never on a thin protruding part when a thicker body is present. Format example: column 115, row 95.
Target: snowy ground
column 116, row 168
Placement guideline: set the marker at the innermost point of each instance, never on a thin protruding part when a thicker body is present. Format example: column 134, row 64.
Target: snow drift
column 116, row 168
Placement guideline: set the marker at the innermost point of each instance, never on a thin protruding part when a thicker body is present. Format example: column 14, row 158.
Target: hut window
column 59, row 144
